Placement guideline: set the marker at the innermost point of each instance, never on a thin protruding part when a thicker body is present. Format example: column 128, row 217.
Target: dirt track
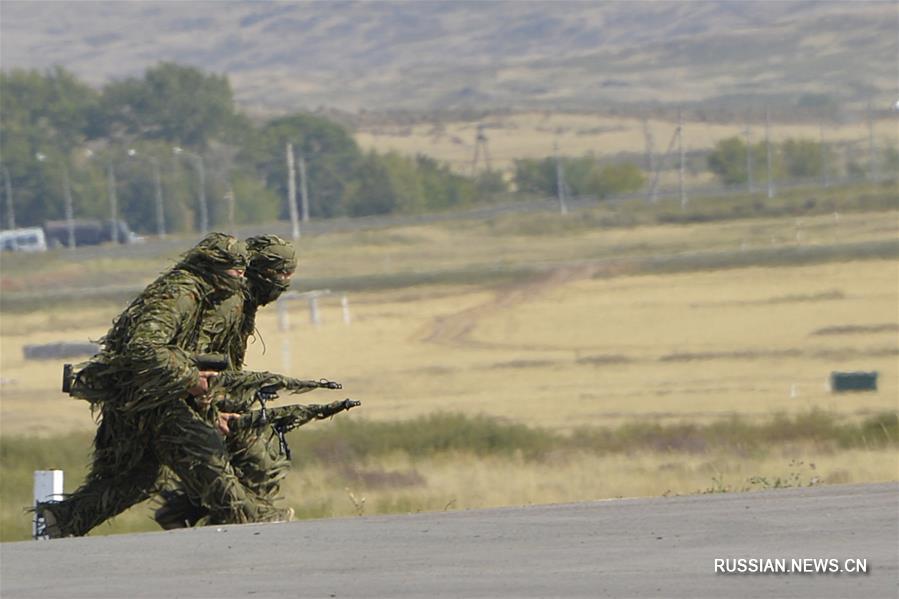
column 661, row 547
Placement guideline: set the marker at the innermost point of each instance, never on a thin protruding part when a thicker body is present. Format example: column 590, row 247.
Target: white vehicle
column 31, row 239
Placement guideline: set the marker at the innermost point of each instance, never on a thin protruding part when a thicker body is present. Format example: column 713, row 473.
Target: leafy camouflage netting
column 147, row 420
column 257, row 461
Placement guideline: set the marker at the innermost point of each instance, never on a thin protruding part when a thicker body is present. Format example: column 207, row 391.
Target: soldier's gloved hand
column 202, row 386
column 222, row 421
column 326, row 384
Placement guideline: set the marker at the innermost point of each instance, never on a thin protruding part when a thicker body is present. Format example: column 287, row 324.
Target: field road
column 658, row 547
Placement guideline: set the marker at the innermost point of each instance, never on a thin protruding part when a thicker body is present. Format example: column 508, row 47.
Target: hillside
column 482, row 55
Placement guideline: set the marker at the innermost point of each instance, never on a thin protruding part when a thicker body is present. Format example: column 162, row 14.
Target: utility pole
column 201, row 195
column 157, row 184
column 768, row 146
column 10, row 207
column 683, row 161
column 292, row 194
column 650, row 159
column 113, row 202
column 70, row 209
column 749, row 159
column 561, row 187
column 480, row 144
column 231, row 199
column 67, row 195
column 160, row 213
column 654, row 184
column 304, row 192
column 872, row 155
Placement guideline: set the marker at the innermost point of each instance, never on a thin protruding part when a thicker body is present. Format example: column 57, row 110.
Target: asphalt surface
column 659, row 547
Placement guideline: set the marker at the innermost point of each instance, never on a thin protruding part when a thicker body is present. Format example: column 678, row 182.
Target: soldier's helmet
column 213, row 257
column 219, row 252
column 272, row 261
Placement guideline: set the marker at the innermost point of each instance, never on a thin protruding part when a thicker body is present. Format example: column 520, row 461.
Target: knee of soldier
column 194, row 444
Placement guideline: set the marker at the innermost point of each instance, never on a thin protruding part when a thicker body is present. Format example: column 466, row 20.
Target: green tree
column 535, row 176
column 802, row 158
column 728, row 160
column 406, row 182
column 371, row 191
column 616, row 179
column 489, row 184
column 442, row 188
column 330, row 153
column 48, row 113
column 891, row 160
column 540, row 176
column 180, row 104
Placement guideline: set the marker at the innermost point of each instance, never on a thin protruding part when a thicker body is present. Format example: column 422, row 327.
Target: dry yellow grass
column 468, row 482
column 532, row 135
column 563, row 350
column 456, row 481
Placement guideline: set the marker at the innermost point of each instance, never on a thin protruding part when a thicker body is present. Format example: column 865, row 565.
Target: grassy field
column 446, row 461
column 563, row 323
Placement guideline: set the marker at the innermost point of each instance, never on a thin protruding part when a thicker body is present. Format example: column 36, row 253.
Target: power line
column 561, row 185
column 480, row 145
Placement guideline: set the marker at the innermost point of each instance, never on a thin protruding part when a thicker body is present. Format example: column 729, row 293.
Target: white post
column 768, row 151
column 560, row 181
column 283, row 318
column 345, row 304
column 292, row 193
column 113, row 202
column 304, row 190
column 70, row 210
column 749, row 159
column 313, row 311
column 47, row 487
column 286, row 355
column 160, row 214
column 231, row 199
column 681, row 177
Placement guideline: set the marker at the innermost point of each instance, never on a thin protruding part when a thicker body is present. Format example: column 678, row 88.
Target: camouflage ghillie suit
column 261, row 466
column 255, row 456
column 139, row 383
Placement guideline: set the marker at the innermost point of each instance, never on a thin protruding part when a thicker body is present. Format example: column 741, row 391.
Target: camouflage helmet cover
column 220, row 252
column 270, row 252
column 216, row 254
column 271, row 258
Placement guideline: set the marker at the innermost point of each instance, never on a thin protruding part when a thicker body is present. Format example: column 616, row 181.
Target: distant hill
column 481, row 55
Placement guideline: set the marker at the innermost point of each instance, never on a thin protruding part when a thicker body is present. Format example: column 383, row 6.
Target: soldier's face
column 235, row 272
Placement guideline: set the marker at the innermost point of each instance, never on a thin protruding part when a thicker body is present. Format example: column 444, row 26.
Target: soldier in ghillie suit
column 255, row 457
column 149, row 393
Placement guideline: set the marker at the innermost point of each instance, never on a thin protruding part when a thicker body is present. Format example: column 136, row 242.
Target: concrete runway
column 659, row 547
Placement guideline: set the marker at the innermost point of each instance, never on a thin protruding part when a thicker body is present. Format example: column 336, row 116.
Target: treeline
column 60, row 135
column 734, row 161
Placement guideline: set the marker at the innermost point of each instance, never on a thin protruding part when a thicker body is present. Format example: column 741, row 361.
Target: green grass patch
column 352, row 439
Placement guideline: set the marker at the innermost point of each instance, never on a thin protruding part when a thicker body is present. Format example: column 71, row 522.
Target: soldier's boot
column 277, row 516
column 285, row 515
column 178, row 511
column 49, row 524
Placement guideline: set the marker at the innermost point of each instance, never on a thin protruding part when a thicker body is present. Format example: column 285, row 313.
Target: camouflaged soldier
column 148, row 390
column 254, row 456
